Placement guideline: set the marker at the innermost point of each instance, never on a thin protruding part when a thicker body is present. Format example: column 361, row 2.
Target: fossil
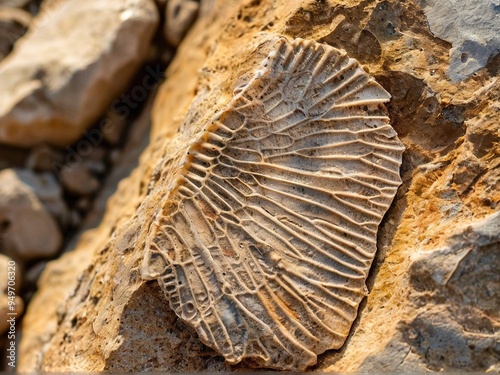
column 268, row 229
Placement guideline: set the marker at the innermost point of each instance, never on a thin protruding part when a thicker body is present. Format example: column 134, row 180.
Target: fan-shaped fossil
column 267, row 233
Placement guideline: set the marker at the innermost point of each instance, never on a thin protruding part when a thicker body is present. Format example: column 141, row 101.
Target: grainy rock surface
column 28, row 229
column 433, row 302
column 69, row 66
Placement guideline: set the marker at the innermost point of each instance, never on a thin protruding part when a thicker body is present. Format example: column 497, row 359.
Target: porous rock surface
column 268, row 219
column 75, row 58
column 433, row 302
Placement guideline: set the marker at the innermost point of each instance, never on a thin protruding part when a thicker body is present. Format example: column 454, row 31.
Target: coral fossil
column 266, row 236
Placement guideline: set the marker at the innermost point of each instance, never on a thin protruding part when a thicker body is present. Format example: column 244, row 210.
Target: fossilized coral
column 268, row 231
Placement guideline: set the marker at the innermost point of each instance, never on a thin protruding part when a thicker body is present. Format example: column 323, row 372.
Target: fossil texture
column 267, row 233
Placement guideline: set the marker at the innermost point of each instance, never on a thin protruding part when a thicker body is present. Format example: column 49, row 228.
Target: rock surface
column 432, row 303
column 28, row 229
column 471, row 27
column 67, row 69
column 79, row 180
column 48, row 191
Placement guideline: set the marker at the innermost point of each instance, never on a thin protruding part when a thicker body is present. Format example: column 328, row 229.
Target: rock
column 42, row 158
column 29, row 231
column 451, row 182
column 471, row 27
column 48, row 190
column 13, row 24
column 66, row 71
column 60, row 278
column 179, row 17
column 79, row 180
column 454, row 304
column 117, row 127
column 10, row 300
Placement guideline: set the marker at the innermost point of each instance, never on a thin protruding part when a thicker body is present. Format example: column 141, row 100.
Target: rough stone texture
column 69, row 66
column 451, row 179
column 268, row 219
column 28, row 229
column 451, row 321
column 471, row 27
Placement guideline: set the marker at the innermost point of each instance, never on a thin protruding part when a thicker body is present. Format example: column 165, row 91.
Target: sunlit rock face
column 431, row 292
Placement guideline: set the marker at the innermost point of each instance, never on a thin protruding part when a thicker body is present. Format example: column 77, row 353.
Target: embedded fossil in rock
column 267, row 232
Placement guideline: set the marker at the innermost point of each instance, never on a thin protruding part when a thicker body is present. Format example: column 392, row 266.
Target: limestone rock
column 471, row 27
column 111, row 319
column 179, row 17
column 29, row 231
column 60, row 278
column 48, row 191
column 269, row 214
column 70, row 65
column 454, row 303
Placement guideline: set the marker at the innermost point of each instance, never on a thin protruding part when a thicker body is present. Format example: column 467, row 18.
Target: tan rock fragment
column 70, row 65
column 29, row 231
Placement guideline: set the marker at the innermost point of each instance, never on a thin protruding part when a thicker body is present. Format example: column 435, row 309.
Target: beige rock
column 60, row 278
column 79, row 180
column 471, row 27
column 29, row 231
column 67, row 69
column 48, row 191
column 179, row 17
column 450, row 173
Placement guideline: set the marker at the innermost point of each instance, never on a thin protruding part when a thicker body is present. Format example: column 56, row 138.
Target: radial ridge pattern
column 267, row 234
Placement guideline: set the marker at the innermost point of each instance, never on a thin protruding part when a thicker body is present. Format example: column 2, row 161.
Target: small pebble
column 79, row 180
